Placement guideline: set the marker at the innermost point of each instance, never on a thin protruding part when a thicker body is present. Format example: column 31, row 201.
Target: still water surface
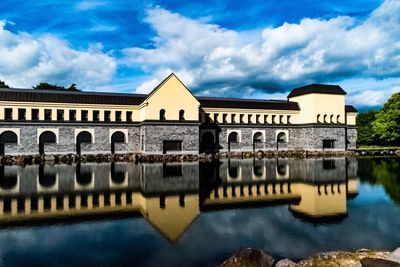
column 195, row 214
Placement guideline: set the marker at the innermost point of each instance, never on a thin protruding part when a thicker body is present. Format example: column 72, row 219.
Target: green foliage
column 365, row 135
column 47, row 86
column 387, row 123
column 3, row 84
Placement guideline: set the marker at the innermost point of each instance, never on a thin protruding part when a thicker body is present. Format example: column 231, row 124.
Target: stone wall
column 66, row 140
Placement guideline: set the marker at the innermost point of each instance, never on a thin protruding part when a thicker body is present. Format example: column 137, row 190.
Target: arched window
column 318, row 116
column 233, row 137
column 118, row 137
column 338, row 119
column 162, row 114
column 281, row 137
column 331, row 119
column 8, row 137
column 84, row 137
column 47, row 137
column 258, row 137
column 181, row 115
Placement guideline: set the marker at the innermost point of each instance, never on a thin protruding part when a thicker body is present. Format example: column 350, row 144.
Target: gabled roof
column 349, row 108
column 212, row 102
column 317, row 89
column 32, row 95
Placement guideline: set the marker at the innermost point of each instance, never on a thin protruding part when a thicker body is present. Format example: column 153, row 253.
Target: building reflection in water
column 170, row 196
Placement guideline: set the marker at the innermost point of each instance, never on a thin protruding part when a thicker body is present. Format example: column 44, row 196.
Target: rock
column 373, row 262
column 285, row 263
column 395, row 256
column 49, row 158
column 247, row 257
column 397, row 152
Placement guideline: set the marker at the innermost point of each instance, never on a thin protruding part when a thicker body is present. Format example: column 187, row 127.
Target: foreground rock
column 361, row 258
column 247, row 257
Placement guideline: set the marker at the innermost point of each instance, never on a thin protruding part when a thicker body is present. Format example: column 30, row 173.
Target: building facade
column 170, row 119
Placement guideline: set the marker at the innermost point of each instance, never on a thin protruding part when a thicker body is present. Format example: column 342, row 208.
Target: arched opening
column 7, row 137
column 46, row 179
column 7, row 181
column 338, row 119
column 117, row 176
column 117, row 137
column 233, row 138
column 331, row 119
column 280, row 139
column 162, row 114
column 181, row 115
column 83, row 176
column 318, row 117
column 325, row 116
column 207, row 142
column 257, row 140
column 82, row 138
column 47, row 137
column 233, row 169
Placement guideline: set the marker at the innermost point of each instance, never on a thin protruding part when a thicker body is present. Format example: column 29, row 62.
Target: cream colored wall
column 313, row 104
column 66, row 107
column 172, row 96
column 351, row 118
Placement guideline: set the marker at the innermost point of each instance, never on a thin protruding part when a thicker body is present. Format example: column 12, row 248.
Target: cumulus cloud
column 273, row 60
column 26, row 60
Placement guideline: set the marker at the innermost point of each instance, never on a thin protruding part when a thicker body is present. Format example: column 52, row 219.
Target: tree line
column 46, row 86
column 380, row 127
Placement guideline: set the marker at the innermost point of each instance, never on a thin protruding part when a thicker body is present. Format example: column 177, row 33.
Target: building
column 170, row 119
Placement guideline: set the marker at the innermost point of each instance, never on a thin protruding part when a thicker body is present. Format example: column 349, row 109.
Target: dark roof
column 31, row 95
column 349, row 108
column 317, row 89
column 210, row 102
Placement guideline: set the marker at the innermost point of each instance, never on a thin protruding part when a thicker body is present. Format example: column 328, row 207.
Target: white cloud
column 314, row 50
column 89, row 5
column 26, row 60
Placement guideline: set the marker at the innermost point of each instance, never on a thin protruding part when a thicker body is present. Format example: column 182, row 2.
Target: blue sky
column 256, row 48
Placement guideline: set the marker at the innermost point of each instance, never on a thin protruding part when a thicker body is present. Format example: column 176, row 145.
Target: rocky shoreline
column 145, row 158
column 248, row 257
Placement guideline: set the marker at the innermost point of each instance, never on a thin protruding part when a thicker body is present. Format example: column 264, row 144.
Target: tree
column 48, row 86
column 365, row 135
column 3, row 84
column 387, row 122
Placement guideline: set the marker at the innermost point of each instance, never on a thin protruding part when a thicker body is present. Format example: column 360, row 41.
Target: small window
column 265, row 118
column 325, row 118
column 118, row 116
column 47, row 114
column 35, row 114
column 241, row 118
column 96, row 115
column 281, row 138
column 72, row 115
column 129, row 116
column 331, row 119
column 273, row 119
column 328, row 143
column 224, row 118
column 233, row 137
column 84, row 115
column 257, row 118
column 232, row 118
column 60, row 115
column 107, row 116
column 162, row 115
column 288, row 119
column 280, row 119
column 21, row 114
column 172, row 145
column 181, row 115
column 8, row 112
column 216, row 117
column 318, row 117
column 249, row 118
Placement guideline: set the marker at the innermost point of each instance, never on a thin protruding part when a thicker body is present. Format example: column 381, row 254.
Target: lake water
column 195, row 214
